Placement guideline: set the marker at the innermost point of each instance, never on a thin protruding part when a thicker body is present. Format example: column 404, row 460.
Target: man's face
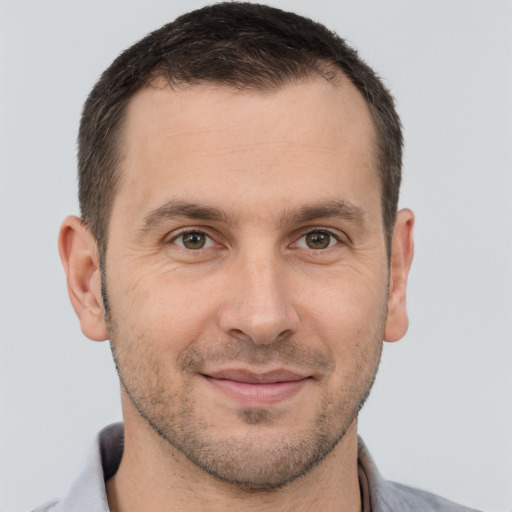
column 246, row 273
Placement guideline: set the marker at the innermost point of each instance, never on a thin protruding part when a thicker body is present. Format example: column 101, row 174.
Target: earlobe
column 79, row 256
column 402, row 252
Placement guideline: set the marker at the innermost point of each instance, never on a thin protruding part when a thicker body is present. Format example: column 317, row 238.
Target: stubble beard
column 255, row 461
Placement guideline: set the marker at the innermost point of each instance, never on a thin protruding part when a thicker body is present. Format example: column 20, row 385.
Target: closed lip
column 257, row 389
column 254, row 377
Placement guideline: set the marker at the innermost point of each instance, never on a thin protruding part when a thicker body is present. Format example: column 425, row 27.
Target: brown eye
column 193, row 240
column 318, row 240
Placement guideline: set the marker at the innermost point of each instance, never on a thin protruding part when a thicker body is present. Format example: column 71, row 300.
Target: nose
column 258, row 305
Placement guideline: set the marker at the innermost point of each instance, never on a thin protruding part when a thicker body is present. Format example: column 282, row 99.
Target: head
column 247, row 47
column 239, row 174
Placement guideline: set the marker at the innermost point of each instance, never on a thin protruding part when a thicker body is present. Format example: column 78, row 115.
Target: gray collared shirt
column 88, row 493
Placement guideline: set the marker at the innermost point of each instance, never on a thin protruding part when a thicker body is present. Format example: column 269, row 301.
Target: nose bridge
column 259, row 305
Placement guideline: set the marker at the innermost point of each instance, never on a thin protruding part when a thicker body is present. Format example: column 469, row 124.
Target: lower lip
column 258, row 394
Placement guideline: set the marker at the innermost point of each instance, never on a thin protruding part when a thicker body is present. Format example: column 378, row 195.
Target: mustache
column 283, row 352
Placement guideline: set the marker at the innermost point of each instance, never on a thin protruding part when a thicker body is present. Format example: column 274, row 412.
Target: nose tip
column 259, row 306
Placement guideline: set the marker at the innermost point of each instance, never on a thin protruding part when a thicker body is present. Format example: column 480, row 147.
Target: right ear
column 79, row 255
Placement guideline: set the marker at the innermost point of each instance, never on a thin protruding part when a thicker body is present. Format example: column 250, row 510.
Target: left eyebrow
column 325, row 210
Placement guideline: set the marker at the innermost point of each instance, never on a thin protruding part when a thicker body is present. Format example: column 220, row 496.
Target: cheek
column 161, row 310
column 346, row 311
column 349, row 291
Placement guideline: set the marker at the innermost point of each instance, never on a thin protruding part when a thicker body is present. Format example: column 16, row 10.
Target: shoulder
column 386, row 496
column 419, row 500
column 88, row 493
column 47, row 507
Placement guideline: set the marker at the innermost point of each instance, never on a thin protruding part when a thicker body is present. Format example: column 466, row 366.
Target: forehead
column 332, row 109
column 196, row 140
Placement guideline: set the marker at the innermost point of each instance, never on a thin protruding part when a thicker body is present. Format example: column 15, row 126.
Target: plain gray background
column 440, row 415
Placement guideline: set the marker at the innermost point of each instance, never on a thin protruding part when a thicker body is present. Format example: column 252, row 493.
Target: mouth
column 254, row 389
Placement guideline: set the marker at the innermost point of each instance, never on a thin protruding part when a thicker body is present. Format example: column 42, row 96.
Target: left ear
column 402, row 251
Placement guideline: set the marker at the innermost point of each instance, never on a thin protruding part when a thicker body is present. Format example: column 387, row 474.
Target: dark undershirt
column 363, row 487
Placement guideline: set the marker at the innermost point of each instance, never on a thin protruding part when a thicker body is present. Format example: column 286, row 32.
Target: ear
column 79, row 256
column 402, row 251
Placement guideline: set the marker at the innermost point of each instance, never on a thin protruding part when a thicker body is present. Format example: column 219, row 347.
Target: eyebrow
column 180, row 208
column 319, row 210
column 325, row 210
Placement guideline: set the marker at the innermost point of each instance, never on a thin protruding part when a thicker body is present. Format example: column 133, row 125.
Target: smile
column 257, row 390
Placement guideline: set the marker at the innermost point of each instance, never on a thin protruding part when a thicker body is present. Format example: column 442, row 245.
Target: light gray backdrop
column 440, row 416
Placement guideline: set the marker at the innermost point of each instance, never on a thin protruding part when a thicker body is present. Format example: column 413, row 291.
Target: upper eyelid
column 322, row 229
column 206, row 230
column 170, row 237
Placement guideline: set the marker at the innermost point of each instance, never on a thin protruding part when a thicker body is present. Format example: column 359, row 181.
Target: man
column 240, row 246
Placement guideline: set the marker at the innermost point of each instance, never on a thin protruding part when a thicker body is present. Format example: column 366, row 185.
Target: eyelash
column 210, row 241
column 182, row 234
column 322, row 231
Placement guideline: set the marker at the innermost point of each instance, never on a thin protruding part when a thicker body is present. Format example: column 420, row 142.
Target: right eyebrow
column 179, row 208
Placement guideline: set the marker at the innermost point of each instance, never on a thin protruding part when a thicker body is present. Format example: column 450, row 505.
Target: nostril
column 240, row 335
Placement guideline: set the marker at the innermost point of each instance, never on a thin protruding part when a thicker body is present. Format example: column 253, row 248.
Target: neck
column 154, row 476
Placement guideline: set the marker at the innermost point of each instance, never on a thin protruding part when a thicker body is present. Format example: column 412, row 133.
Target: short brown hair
column 242, row 45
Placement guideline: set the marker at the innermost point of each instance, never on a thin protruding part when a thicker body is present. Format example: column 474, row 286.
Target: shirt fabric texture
column 88, row 493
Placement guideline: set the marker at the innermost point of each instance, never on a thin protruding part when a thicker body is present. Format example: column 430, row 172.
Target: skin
column 243, row 361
